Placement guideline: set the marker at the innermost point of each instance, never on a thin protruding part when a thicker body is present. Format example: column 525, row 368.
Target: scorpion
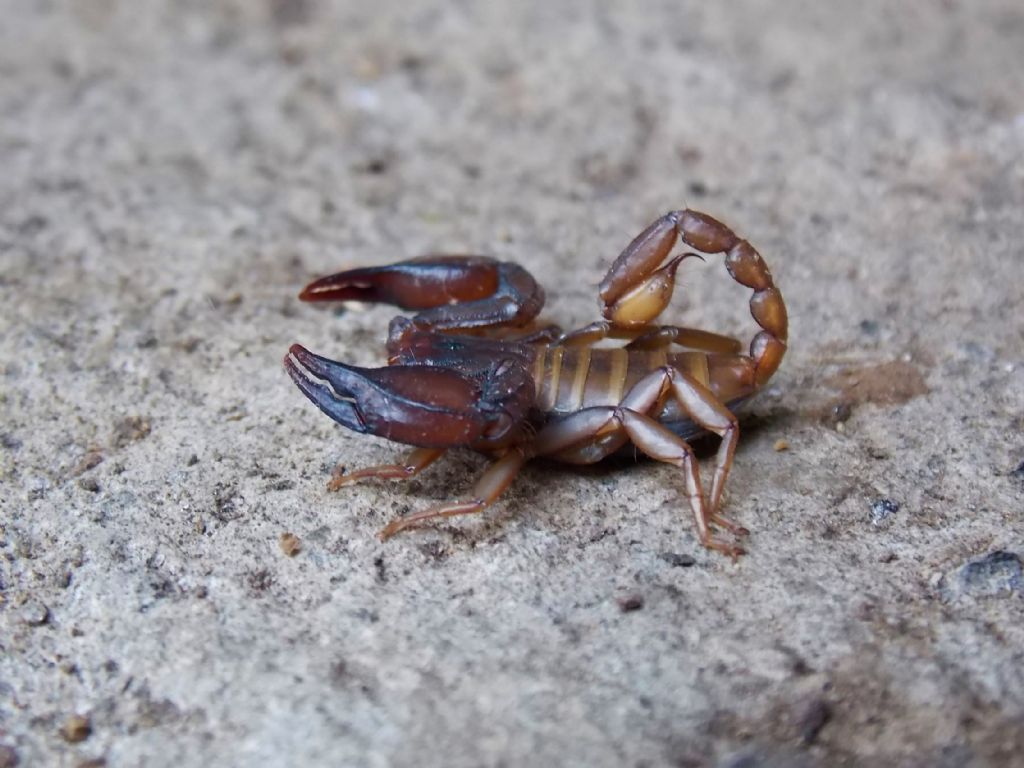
column 472, row 369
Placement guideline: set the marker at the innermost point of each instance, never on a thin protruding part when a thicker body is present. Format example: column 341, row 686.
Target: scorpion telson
column 470, row 370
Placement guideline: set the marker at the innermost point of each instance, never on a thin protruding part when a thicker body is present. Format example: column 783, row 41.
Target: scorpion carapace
column 470, row 369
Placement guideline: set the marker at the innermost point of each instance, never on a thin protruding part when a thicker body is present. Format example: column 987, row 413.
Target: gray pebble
column 34, row 613
column 997, row 574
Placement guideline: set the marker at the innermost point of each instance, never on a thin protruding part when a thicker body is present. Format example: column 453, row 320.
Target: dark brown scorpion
column 469, row 370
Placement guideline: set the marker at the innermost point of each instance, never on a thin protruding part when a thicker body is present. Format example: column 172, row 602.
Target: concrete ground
column 173, row 173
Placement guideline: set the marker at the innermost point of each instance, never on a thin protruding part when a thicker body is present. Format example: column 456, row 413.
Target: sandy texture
column 172, row 173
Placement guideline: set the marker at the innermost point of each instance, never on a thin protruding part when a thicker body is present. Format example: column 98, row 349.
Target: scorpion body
column 568, row 380
column 467, row 370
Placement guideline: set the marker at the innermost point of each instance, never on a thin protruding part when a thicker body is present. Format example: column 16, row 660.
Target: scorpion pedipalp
column 428, row 407
column 451, row 292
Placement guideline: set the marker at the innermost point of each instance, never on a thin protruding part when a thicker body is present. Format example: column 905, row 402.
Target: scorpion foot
column 733, row 551
column 723, row 522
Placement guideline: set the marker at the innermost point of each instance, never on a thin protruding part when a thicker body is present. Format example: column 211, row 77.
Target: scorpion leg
column 417, row 460
column 578, row 434
column 662, row 444
column 450, row 292
column 652, row 337
column 583, row 437
column 545, row 335
column 705, row 409
column 608, row 438
column 488, row 488
column 693, row 338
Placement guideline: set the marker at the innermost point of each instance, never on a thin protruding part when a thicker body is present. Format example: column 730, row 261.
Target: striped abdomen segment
column 570, row 378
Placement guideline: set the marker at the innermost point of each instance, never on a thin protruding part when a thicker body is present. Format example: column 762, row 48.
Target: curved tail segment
column 638, row 287
column 450, row 292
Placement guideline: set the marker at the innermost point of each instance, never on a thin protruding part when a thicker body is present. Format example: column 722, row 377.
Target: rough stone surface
column 173, row 172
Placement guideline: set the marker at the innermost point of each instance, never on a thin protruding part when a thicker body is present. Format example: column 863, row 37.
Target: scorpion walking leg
column 660, row 443
column 488, row 488
column 607, row 437
column 592, row 430
column 693, row 338
column 652, row 337
column 543, row 335
column 704, row 408
column 414, row 463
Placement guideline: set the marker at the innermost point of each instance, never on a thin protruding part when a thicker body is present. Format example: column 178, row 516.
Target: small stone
column 290, row 544
column 882, row 509
column 841, row 412
column 697, row 188
column 997, row 574
column 90, row 484
column 131, row 429
column 811, row 717
column 93, row 458
column 677, row 560
column 375, row 166
column 8, row 756
column 631, row 603
column 34, row 613
column 76, row 728
column 869, row 327
column 189, row 344
column 781, row 445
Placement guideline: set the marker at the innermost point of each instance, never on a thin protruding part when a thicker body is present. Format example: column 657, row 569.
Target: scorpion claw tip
column 324, row 382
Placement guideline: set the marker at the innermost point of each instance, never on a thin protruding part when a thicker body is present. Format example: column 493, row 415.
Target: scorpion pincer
column 471, row 369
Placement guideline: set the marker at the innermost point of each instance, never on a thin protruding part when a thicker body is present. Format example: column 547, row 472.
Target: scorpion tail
column 626, row 289
column 747, row 268
column 450, row 292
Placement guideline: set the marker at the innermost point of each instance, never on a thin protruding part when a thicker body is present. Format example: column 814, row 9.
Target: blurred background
column 172, row 173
